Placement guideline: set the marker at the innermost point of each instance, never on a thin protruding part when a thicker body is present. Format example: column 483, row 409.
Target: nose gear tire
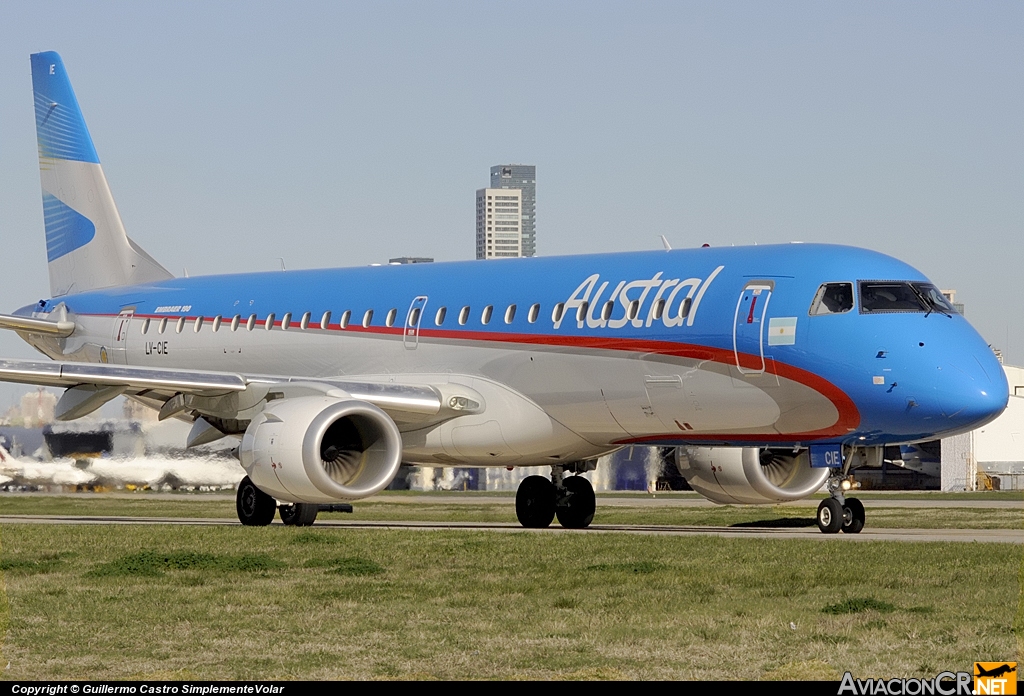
column 855, row 523
column 830, row 516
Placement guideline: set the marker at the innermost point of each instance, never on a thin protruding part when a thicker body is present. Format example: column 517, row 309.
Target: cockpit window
column 877, row 296
column 833, row 298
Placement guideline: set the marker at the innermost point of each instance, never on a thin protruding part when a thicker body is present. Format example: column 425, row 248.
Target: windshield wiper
column 931, row 304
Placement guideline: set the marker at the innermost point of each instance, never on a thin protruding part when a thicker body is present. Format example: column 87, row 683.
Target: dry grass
column 368, row 604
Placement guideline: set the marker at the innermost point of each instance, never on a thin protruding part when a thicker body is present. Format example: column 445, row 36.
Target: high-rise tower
column 499, row 223
column 524, row 178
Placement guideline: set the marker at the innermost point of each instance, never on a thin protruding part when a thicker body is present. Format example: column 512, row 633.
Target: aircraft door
column 411, row 333
column 748, row 326
column 119, row 336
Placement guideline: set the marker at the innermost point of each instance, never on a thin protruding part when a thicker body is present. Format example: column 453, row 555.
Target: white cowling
column 749, row 475
column 321, row 449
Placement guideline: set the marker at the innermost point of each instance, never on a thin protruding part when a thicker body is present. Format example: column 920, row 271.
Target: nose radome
column 973, row 392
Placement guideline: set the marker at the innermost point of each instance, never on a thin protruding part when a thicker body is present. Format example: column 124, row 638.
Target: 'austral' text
column 638, row 291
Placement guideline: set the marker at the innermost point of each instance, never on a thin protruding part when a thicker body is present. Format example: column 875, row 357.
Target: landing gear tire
column 853, row 516
column 830, row 516
column 535, row 502
column 576, row 509
column 254, row 507
column 299, row 514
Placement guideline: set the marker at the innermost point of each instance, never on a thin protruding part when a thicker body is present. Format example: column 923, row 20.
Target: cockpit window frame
column 927, row 304
column 816, row 301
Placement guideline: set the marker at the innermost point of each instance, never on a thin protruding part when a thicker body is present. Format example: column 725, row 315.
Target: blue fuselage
column 711, row 345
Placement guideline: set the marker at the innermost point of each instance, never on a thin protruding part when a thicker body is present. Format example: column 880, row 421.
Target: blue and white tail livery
column 772, row 370
column 86, row 245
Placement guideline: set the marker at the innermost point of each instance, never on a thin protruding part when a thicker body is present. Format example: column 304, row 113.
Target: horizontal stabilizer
column 37, row 326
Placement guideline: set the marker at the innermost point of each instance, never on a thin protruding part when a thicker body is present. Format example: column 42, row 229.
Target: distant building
column 134, row 411
column 951, row 296
column 524, row 178
column 37, row 408
column 402, row 260
column 499, row 229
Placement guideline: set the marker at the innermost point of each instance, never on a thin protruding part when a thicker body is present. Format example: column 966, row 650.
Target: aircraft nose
column 972, row 391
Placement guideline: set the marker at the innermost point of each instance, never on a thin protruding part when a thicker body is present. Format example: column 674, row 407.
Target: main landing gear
column 256, row 509
column 539, row 501
column 839, row 512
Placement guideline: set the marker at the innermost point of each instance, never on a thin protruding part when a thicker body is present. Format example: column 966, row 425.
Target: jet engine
column 749, row 475
column 321, row 449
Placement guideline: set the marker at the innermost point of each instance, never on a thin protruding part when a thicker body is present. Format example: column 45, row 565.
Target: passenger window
column 235, row 321
column 439, row 317
column 198, row 325
column 684, row 308
column 145, row 326
column 286, row 321
column 485, row 318
column 269, row 323
column 510, row 314
column 414, row 316
column 325, row 321
column 606, row 311
column 216, row 323
column 180, row 325
column 556, row 312
column 367, row 318
column 389, row 320
column 345, row 317
column 581, row 312
column 659, row 308
column 464, row 316
column 163, row 325
column 304, row 324
column 251, row 323
column 833, row 298
column 634, row 309
column 534, row 313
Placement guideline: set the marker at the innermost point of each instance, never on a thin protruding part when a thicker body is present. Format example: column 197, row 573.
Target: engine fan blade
column 343, row 465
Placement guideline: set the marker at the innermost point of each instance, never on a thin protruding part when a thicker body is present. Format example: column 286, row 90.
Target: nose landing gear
column 572, row 500
column 839, row 512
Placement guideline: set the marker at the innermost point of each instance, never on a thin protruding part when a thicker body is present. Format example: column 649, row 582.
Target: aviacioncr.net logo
column 943, row 684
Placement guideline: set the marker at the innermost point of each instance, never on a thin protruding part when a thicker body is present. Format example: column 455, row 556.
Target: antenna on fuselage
column 281, row 259
column 664, row 243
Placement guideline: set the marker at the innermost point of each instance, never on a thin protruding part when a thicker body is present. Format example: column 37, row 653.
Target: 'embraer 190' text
column 672, row 301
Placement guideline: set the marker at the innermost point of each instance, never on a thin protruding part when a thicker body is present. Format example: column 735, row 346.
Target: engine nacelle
column 321, row 449
column 749, row 475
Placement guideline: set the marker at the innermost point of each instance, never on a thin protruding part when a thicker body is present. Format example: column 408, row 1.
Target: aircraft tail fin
column 86, row 244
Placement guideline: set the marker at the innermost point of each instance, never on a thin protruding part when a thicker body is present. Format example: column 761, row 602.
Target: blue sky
column 335, row 134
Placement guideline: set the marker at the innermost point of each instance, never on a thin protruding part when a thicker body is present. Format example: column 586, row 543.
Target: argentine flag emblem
column 782, row 331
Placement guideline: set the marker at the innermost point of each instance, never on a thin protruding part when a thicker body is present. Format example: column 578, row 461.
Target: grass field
column 269, row 603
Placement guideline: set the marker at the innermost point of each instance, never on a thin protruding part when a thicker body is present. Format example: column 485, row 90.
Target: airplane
column 773, row 369
column 151, row 472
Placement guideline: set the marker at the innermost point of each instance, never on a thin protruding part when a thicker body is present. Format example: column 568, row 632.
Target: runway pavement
column 1010, row 536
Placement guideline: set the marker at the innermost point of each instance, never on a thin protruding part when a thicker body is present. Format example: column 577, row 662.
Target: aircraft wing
column 173, row 391
column 72, row 374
